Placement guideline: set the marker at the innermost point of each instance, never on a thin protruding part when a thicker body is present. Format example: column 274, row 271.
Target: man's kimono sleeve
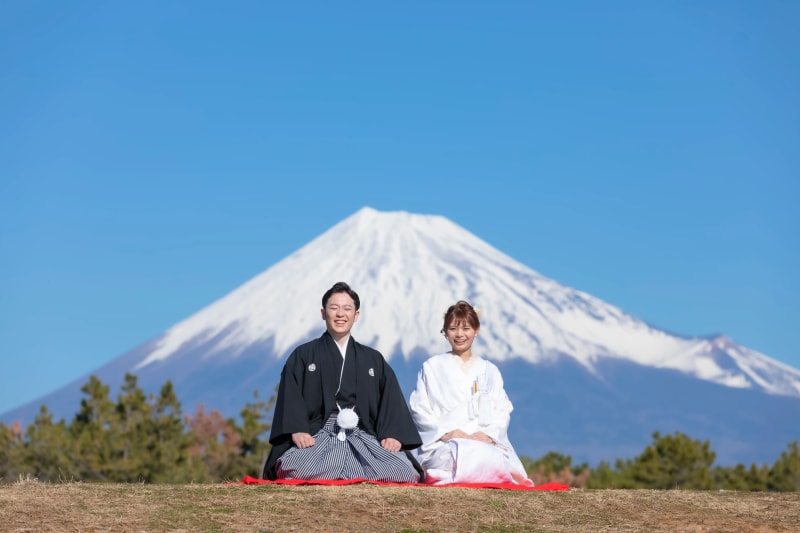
column 290, row 408
column 394, row 419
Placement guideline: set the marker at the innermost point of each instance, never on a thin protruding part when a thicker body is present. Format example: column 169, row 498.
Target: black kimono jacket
column 307, row 396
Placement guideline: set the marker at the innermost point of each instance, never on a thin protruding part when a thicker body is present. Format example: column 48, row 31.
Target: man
column 340, row 413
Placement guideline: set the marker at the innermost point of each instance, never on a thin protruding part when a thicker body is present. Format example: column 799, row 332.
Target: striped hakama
column 360, row 455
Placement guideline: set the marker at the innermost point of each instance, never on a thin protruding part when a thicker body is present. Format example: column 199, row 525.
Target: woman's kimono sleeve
column 428, row 421
column 501, row 407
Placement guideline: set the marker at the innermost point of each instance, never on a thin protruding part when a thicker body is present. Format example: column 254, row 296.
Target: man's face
column 340, row 314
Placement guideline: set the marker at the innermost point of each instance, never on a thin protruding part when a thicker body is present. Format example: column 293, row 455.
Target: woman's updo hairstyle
column 459, row 312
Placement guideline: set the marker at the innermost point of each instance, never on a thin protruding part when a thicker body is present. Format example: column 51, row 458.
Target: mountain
column 586, row 378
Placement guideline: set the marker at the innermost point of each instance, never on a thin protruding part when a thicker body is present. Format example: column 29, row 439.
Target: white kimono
column 450, row 395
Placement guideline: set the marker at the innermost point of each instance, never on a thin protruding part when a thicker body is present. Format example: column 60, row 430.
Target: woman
column 462, row 411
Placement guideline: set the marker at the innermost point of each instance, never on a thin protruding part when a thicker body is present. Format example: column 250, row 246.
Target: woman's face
column 460, row 335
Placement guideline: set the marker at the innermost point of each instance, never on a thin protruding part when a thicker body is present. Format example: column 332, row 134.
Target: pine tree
column 11, row 448
column 604, row 477
column 44, row 452
column 8, row 445
column 731, row 478
column 95, row 430
column 757, row 477
column 130, row 442
column 673, row 462
column 254, row 444
column 785, row 473
column 169, row 440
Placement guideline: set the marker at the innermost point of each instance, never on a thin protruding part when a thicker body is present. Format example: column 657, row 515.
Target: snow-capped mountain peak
column 407, row 268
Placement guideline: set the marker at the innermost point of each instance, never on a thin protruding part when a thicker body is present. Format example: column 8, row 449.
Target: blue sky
column 156, row 155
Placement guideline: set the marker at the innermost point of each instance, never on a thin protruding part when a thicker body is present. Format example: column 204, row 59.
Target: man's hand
column 455, row 434
column 481, row 436
column 303, row 440
column 390, row 444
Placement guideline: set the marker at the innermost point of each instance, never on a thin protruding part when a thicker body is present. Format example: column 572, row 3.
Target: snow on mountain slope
column 408, row 268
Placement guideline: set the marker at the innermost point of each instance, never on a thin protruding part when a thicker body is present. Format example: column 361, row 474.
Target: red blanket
column 247, row 480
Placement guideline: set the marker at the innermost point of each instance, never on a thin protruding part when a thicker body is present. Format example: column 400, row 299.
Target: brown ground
column 33, row 506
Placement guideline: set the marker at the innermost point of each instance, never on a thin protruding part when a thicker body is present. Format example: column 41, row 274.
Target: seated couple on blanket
column 340, row 413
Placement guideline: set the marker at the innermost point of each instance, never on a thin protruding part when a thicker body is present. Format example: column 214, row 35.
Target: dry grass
column 29, row 505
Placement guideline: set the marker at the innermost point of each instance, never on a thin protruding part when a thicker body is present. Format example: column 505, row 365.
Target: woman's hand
column 481, row 436
column 455, row 434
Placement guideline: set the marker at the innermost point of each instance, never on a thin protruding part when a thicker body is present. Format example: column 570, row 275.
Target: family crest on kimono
column 340, row 412
column 462, row 411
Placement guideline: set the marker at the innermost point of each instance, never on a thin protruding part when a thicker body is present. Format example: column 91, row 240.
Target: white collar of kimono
column 342, row 350
column 343, row 345
column 465, row 366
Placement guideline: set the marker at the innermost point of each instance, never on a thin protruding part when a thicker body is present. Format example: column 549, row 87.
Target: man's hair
column 341, row 286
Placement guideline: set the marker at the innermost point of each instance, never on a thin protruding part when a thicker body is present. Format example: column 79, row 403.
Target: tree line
column 671, row 462
column 137, row 438
column 148, row 439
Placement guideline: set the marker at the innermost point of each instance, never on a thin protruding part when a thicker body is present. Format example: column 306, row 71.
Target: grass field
column 34, row 506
